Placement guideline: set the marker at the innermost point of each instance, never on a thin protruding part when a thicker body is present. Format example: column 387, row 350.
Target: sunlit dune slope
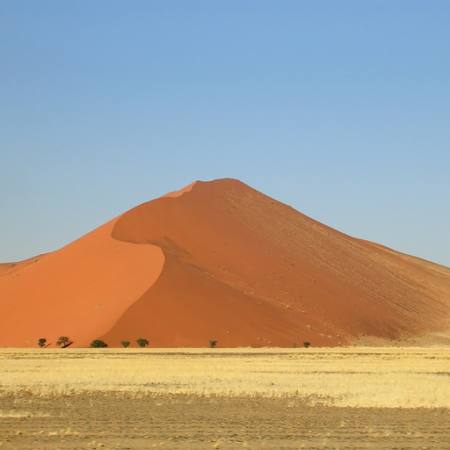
column 220, row 260
column 78, row 291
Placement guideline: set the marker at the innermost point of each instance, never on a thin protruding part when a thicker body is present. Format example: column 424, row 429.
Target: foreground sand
column 351, row 398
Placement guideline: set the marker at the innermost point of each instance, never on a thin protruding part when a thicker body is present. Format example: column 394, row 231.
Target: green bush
column 212, row 343
column 64, row 341
column 306, row 344
column 125, row 344
column 42, row 342
column 142, row 342
column 98, row 343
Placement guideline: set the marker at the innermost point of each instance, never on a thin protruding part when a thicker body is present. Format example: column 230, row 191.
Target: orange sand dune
column 219, row 260
column 78, row 291
column 8, row 268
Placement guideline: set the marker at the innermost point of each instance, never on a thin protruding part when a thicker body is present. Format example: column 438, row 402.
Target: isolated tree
column 306, row 344
column 64, row 341
column 98, row 343
column 42, row 342
column 212, row 343
column 125, row 344
column 142, row 342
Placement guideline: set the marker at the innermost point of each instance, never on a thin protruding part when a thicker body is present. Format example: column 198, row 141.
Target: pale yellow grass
column 355, row 377
column 13, row 414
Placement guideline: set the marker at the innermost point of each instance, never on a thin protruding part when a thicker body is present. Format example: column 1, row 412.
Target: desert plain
column 265, row 398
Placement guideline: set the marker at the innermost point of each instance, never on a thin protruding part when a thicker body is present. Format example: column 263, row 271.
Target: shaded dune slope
column 220, row 260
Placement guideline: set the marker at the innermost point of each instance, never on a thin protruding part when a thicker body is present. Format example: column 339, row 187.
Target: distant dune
column 220, row 260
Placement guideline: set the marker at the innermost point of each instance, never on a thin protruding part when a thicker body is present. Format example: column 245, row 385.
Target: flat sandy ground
column 352, row 398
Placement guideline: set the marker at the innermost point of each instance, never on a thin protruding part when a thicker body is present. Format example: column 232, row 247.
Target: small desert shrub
column 306, row 344
column 42, row 342
column 98, row 343
column 212, row 343
column 64, row 341
column 125, row 344
column 142, row 342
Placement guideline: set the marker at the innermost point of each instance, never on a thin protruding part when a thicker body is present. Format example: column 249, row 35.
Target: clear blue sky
column 339, row 108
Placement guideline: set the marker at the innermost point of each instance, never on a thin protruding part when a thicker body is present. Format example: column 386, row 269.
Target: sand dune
column 8, row 268
column 220, row 260
column 78, row 291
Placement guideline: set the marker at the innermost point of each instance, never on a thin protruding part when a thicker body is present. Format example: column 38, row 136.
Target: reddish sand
column 9, row 268
column 78, row 291
column 219, row 260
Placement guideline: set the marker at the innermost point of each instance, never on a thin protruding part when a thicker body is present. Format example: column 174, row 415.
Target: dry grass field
column 328, row 398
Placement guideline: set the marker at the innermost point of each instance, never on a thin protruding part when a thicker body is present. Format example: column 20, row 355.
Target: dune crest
column 180, row 192
column 220, row 260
